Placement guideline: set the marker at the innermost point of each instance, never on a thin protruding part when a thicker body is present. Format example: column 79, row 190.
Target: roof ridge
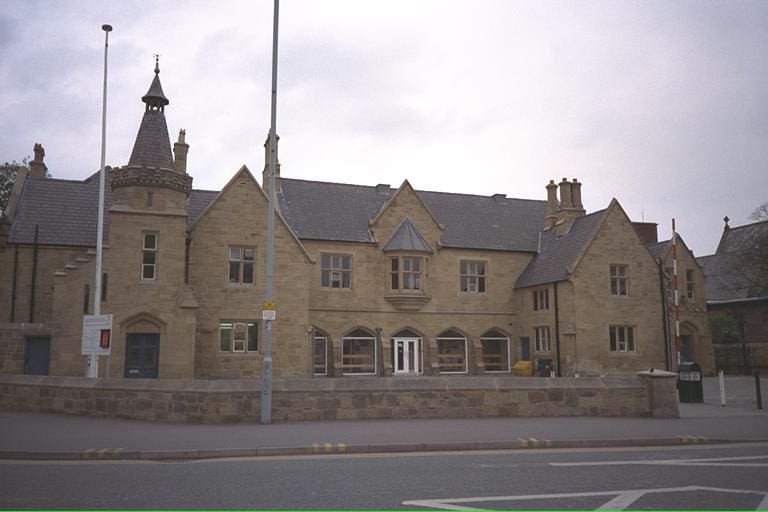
column 748, row 225
column 417, row 190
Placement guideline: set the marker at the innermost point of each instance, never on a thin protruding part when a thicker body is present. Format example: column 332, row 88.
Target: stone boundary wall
column 226, row 401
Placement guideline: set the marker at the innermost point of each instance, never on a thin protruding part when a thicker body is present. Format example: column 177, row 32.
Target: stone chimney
column 265, row 173
column 570, row 205
column 180, row 150
column 576, row 194
column 37, row 168
column 551, row 217
column 566, row 197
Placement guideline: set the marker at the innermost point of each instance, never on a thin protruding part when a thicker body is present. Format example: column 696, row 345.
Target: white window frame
column 473, row 273
column 241, row 262
column 541, row 337
column 149, row 251
column 505, row 340
column 619, row 280
column 418, row 349
column 251, row 326
column 345, row 339
column 450, row 338
column 332, row 264
column 616, row 344
column 690, row 293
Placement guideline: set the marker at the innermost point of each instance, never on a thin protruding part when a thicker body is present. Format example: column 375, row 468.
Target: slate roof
column 407, row 238
column 153, row 146
column 66, row 211
column 559, row 253
column 660, row 249
column 340, row 212
column 739, row 269
column 155, row 94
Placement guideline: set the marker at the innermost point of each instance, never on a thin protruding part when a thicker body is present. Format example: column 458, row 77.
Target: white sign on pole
column 268, row 314
column 97, row 335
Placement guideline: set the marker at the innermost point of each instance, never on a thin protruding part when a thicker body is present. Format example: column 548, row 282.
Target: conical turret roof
column 153, row 146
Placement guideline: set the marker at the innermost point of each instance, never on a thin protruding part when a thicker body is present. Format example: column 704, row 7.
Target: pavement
column 30, row 436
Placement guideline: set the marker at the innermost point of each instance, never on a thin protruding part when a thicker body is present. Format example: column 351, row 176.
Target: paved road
column 723, row 477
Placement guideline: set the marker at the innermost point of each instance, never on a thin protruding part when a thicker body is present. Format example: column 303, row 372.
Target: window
column 358, row 353
column 495, row 351
column 406, row 273
column 238, row 336
column 104, row 282
column 622, row 338
column 618, row 280
column 540, row 299
column 452, row 352
column 472, row 276
column 241, row 265
column 335, row 270
column 149, row 256
column 541, row 335
column 86, row 298
column 689, row 291
column 320, row 354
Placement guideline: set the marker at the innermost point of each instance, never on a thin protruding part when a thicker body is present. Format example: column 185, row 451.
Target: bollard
column 758, row 394
column 721, row 378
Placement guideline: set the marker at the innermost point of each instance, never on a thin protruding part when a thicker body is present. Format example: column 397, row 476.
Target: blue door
column 525, row 348
column 142, row 355
column 37, row 353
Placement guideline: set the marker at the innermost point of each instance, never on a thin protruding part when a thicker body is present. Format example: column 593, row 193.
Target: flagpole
column 93, row 359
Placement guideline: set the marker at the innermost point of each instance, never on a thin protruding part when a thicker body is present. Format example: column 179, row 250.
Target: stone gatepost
column 662, row 393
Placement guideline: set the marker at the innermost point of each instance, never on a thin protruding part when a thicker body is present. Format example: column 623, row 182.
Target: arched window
column 358, row 353
column 495, row 351
column 320, row 353
column 452, row 352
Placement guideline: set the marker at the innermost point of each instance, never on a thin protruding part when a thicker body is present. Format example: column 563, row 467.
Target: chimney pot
column 37, row 167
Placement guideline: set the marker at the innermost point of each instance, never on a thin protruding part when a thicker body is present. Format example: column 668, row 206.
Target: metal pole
column 266, row 371
column 93, row 359
column 677, row 294
column 721, row 380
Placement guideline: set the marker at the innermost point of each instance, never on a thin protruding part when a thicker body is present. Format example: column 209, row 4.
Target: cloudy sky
column 663, row 105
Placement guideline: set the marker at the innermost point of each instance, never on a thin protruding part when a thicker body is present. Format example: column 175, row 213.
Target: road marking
column 623, row 498
column 714, row 461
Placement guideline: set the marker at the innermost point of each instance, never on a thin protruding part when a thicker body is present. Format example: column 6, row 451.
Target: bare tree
column 761, row 212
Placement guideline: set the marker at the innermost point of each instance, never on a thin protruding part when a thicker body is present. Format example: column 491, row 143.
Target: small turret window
column 149, row 256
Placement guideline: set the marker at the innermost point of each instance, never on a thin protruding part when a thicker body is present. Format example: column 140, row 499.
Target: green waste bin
column 689, row 385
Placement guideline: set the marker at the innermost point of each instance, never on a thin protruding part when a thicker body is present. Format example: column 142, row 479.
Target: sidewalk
column 47, row 436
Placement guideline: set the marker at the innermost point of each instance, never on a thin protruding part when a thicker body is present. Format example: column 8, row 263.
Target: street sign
column 268, row 314
column 97, row 335
column 269, row 305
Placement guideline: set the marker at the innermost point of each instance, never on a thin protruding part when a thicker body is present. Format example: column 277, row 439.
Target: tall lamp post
column 93, row 359
column 266, row 371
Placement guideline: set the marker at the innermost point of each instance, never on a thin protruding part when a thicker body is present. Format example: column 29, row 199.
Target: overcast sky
column 663, row 105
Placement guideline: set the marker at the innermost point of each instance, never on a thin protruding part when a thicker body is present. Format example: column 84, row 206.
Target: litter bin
column 543, row 367
column 689, row 385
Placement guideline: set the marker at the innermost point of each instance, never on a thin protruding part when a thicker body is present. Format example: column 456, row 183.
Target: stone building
column 369, row 280
column 737, row 297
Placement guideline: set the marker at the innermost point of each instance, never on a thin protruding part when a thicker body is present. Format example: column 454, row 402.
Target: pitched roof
column 66, row 211
column 153, row 146
column 407, row 238
column 559, row 253
column 739, row 269
column 340, row 212
column 660, row 249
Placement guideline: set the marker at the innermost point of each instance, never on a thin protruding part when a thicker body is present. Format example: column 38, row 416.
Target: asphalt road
column 715, row 477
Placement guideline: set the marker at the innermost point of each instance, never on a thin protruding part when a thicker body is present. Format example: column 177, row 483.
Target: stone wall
column 328, row 399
